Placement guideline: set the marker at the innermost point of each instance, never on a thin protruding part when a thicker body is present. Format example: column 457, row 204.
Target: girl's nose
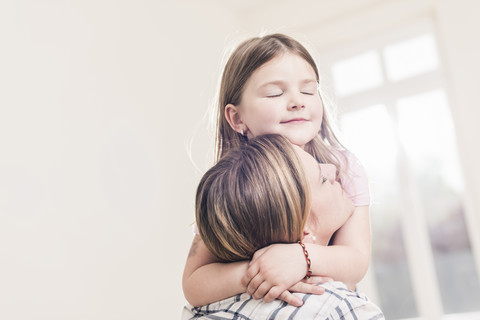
column 295, row 107
column 296, row 102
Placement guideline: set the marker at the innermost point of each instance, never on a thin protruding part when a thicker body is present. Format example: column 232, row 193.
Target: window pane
column 411, row 57
column 358, row 73
column 427, row 133
column 369, row 133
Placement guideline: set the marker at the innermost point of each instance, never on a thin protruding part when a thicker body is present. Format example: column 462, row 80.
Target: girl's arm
column 350, row 249
column 205, row 280
column 346, row 260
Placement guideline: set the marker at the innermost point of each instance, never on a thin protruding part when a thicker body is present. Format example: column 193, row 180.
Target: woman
column 259, row 195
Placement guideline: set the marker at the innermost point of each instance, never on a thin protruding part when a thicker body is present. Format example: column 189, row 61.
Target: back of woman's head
column 254, row 196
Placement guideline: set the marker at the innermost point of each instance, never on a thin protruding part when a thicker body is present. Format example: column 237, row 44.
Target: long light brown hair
column 242, row 63
column 255, row 195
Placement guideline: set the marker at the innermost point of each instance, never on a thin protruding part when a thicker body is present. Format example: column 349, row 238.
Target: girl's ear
column 234, row 120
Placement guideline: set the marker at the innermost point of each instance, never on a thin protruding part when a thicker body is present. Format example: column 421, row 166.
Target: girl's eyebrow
column 275, row 82
column 307, row 81
column 280, row 82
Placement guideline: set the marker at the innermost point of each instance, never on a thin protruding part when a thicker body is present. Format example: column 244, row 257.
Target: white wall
column 97, row 101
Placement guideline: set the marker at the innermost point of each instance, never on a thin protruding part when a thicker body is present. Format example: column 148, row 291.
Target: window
column 357, row 73
column 394, row 114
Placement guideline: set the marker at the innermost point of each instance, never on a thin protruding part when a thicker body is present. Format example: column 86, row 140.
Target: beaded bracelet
column 309, row 263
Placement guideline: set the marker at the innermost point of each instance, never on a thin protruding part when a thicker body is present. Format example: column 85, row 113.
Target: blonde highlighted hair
column 254, row 196
column 242, row 63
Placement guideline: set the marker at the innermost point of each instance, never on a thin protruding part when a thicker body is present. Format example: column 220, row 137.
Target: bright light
column 357, row 74
column 427, row 133
column 409, row 58
column 369, row 134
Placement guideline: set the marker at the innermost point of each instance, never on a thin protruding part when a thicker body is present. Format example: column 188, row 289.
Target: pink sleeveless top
column 354, row 179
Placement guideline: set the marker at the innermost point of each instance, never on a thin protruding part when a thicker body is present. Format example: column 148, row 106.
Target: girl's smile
column 295, row 121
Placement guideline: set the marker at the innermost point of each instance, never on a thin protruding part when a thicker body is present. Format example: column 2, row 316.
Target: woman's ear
column 308, row 237
column 234, row 120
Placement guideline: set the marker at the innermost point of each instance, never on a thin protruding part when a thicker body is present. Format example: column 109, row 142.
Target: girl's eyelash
column 324, row 179
column 278, row 95
column 275, row 95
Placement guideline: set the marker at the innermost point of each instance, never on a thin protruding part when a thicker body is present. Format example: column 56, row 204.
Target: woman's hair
column 254, row 196
column 248, row 57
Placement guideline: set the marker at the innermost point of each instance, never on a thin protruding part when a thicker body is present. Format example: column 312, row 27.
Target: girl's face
column 330, row 207
column 282, row 97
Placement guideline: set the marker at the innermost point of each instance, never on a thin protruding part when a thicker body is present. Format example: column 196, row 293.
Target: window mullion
column 417, row 242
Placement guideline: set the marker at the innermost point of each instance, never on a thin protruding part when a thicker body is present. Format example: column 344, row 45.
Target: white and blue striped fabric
column 337, row 303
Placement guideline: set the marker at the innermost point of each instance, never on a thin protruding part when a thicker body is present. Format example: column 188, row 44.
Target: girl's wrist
column 307, row 260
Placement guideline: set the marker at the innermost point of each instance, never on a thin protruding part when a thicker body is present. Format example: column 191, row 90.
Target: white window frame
column 414, row 226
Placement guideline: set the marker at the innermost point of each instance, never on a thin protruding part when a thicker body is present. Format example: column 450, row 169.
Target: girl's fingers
column 251, row 273
column 303, row 287
column 254, row 284
column 289, row 298
column 262, row 290
column 273, row 294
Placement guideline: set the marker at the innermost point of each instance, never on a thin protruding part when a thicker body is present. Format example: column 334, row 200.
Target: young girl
column 270, row 85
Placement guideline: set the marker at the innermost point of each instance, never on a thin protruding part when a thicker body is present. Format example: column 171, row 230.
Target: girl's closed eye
column 310, row 93
column 272, row 90
column 310, row 89
column 274, row 94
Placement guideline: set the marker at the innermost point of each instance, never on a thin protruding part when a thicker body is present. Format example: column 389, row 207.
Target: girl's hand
column 273, row 270
column 317, row 280
column 304, row 286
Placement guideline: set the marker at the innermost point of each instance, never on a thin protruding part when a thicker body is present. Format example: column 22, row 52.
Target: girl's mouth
column 295, row 120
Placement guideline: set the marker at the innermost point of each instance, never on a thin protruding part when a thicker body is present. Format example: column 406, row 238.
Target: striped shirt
column 336, row 303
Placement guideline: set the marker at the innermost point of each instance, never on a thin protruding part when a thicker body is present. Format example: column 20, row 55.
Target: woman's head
column 267, row 191
column 254, row 196
column 270, row 86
